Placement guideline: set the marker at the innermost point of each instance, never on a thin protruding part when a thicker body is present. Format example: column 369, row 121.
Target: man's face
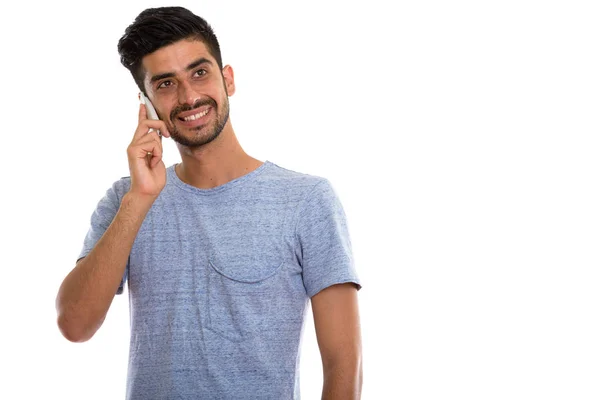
column 189, row 92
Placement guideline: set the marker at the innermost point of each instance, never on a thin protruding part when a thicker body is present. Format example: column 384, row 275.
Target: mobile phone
column 149, row 109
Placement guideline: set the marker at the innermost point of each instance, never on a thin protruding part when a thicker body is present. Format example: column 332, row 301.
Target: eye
column 165, row 84
column 201, row 72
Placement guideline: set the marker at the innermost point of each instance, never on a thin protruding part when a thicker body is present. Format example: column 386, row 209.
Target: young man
column 221, row 252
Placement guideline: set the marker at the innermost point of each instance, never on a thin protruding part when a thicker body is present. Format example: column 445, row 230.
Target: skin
column 337, row 324
column 211, row 156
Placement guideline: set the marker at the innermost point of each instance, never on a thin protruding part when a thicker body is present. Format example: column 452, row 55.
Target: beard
column 203, row 134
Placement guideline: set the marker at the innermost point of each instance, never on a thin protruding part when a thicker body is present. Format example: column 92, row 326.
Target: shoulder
column 314, row 196
column 123, row 183
column 120, row 186
column 299, row 183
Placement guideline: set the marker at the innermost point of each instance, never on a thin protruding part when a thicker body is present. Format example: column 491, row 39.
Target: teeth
column 196, row 116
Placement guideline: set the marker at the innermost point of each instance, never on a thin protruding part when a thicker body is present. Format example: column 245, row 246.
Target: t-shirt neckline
column 218, row 189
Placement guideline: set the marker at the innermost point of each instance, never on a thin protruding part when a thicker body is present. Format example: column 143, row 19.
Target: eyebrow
column 192, row 65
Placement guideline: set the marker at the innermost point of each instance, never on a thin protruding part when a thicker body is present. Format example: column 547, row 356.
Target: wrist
column 138, row 201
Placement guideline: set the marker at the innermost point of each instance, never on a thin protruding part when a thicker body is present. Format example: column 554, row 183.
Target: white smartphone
column 149, row 109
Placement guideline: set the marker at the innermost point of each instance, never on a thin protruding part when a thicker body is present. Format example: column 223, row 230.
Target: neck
column 215, row 163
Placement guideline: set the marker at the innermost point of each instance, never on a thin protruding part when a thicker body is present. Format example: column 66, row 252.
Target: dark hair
column 158, row 27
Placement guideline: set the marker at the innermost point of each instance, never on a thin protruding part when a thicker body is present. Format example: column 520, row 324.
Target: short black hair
column 158, row 27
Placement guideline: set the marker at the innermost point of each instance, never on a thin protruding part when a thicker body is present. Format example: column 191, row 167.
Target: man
column 221, row 252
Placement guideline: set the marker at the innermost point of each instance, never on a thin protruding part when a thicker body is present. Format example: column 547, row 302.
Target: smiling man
column 221, row 252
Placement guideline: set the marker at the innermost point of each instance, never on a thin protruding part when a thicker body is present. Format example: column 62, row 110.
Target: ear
column 228, row 80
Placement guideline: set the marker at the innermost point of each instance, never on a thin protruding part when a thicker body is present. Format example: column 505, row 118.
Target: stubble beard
column 211, row 133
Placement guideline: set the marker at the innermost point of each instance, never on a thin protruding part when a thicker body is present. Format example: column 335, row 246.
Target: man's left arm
column 337, row 325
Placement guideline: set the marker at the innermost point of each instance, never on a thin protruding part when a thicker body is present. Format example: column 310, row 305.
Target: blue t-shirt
column 219, row 280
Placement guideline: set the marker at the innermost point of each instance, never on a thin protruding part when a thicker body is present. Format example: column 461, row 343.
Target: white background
column 461, row 137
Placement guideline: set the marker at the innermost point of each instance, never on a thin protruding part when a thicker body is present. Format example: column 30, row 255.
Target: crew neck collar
column 172, row 175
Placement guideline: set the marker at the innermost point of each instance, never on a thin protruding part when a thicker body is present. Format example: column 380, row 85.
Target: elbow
column 343, row 380
column 73, row 323
column 76, row 329
column 349, row 368
column 70, row 331
column 348, row 361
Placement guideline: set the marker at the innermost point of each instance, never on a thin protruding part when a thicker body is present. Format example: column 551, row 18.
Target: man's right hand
column 148, row 173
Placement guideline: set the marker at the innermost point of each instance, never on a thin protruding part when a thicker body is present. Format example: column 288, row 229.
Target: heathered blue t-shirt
column 219, row 280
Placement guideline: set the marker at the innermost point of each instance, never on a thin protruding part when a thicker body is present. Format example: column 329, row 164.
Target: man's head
column 175, row 59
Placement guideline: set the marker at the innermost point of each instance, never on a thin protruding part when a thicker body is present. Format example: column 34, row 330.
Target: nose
column 186, row 94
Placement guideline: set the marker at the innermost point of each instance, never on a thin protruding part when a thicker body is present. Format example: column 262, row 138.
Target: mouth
column 196, row 119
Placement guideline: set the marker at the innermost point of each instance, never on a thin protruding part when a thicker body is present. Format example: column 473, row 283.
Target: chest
column 234, row 273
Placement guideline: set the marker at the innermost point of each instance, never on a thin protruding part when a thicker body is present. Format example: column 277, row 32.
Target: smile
column 196, row 116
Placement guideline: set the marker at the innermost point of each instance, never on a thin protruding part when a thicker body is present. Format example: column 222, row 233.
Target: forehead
column 175, row 57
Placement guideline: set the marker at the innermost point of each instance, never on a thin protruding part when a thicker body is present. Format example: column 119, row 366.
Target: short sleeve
column 101, row 219
column 323, row 240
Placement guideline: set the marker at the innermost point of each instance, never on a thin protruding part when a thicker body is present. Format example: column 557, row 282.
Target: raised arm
column 88, row 290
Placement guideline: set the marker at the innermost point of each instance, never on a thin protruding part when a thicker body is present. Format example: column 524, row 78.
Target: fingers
column 151, row 138
column 142, row 113
column 145, row 124
column 147, row 143
column 151, row 148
